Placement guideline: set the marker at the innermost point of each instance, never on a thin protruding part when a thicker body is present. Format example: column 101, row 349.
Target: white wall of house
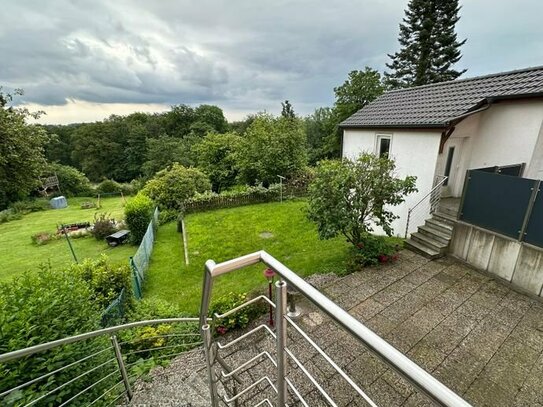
column 415, row 153
column 506, row 133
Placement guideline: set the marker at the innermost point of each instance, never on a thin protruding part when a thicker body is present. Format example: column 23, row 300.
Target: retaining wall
column 519, row 263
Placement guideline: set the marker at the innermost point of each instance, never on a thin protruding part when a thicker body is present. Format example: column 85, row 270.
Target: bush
column 170, row 187
column 239, row 319
column 41, row 238
column 104, row 225
column 72, row 181
column 138, row 212
column 373, row 250
column 44, row 306
column 8, row 215
column 34, row 205
column 108, row 186
column 106, row 281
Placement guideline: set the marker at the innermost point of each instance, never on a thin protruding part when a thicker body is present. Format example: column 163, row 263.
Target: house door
column 453, row 154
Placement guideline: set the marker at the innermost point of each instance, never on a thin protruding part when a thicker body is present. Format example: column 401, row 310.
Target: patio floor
column 478, row 336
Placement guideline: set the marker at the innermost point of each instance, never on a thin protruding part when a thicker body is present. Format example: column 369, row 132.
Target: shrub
column 41, row 238
column 104, row 225
column 8, row 215
column 138, row 212
column 33, row 205
column 72, row 181
column 372, row 250
column 44, row 306
column 170, row 187
column 239, row 319
column 106, row 280
column 108, row 186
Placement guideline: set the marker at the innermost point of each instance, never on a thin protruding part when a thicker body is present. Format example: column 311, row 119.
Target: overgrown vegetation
column 103, row 225
column 137, row 213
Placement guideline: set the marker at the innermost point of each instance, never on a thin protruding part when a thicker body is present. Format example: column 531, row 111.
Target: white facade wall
column 415, row 153
column 505, row 134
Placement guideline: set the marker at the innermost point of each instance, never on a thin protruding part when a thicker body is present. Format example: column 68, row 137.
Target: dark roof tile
column 437, row 104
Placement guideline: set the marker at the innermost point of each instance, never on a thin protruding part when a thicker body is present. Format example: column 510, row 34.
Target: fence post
column 122, row 367
column 281, row 332
column 535, row 190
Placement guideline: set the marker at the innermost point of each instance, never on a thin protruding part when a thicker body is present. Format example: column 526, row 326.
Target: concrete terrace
column 476, row 335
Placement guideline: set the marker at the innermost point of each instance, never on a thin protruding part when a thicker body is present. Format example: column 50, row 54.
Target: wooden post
column 185, row 243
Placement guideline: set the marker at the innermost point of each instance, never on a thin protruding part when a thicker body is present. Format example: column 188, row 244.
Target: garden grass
column 281, row 229
column 18, row 253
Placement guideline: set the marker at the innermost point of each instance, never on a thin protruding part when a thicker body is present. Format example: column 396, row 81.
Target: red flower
column 221, row 330
column 383, row 258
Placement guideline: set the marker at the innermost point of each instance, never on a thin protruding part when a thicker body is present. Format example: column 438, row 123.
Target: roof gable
column 436, row 105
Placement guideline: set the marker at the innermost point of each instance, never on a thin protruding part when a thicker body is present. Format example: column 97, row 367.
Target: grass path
column 17, row 253
column 281, row 229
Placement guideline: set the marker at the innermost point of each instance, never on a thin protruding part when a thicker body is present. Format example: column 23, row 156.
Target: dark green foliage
column 429, row 45
column 103, row 226
column 322, row 132
column 170, row 187
column 271, row 147
column 349, row 197
column 217, row 158
column 287, row 111
column 237, row 320
column 21, row 152
column 8, row 215
column 137, row 213
column 164, row 151
column 108, row 186
column 105, row 280
column 360, row 88
column 72, row 181
column 372, row 250
column 30, row 205
column 39, row 307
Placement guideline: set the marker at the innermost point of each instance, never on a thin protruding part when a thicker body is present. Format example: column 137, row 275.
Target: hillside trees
column 21, row 152
column 271, row 147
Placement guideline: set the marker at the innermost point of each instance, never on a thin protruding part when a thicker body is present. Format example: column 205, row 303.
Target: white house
column 451, row 127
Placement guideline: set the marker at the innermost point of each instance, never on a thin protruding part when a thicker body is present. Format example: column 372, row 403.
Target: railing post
column 281, row 332
column 122, row 367
column 210, row 355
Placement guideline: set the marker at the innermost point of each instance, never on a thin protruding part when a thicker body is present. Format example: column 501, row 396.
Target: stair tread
column 432, row 230
column 444, row 215
column 429, row 240
column 422, row 248
column 434, row 221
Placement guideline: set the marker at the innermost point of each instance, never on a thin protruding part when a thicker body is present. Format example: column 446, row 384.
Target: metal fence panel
column 534, row 230
column 496, row 202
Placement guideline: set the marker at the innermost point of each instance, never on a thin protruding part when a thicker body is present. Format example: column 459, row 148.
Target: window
column 383, row 145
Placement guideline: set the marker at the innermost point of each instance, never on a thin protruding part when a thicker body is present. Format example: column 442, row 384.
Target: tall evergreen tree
column 287, row 110
column 429, row 45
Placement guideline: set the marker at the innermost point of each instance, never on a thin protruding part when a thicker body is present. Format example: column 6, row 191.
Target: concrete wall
column 507, row 133
column 518, row 263
column 415, row 153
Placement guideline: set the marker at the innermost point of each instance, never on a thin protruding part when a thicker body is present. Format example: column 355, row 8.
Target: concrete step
column 438, row 224
column 422, row 249
column 445, row 218
column 439, row 235
column 429, row 241
column 453, row 212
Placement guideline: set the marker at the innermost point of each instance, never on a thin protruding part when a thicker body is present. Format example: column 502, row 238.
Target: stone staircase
column 432, row 239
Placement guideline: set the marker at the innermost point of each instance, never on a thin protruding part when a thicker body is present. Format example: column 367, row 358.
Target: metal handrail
column 438, row 183
column 436, row 390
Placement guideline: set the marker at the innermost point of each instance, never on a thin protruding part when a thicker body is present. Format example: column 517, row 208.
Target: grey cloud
column 243, row 55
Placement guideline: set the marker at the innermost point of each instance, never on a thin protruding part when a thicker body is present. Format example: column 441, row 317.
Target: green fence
column 114, row 313
column 509, row 205
column 139, row 263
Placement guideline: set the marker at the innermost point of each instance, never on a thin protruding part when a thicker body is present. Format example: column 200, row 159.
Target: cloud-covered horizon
column 103, row 57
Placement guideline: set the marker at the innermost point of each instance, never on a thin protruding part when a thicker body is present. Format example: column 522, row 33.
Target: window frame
column 378, row 138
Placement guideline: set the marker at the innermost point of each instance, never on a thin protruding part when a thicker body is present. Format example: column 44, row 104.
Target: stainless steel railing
column 282, row 385
column 100, row 367
column 426, row 206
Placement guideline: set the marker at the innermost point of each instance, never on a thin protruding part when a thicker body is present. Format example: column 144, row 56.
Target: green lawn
column 17, row 253
column 227, row 233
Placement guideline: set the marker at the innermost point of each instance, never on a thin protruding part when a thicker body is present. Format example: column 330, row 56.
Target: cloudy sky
column 84, row 60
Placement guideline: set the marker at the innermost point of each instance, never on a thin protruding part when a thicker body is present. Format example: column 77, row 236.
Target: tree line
column 254, row 150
